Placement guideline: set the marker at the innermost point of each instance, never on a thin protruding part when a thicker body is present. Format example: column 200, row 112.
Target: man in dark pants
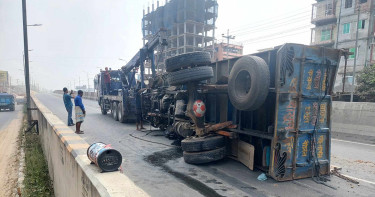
column 67, row 98
column 80, row 112
column 138, row 104
column 107, row 80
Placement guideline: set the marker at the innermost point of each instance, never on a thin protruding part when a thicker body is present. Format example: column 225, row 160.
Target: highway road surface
column 156, row 165
column 10, row 125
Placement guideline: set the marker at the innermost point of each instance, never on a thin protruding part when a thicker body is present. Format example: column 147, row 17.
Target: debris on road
column 262, row 177
column 336, row 172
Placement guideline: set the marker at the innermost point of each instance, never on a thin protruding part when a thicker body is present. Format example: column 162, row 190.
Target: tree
column 366, row 83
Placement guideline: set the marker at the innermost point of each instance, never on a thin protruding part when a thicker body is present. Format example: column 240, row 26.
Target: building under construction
column 190, row 26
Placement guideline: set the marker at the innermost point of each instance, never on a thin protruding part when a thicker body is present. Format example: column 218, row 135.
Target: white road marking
column 354, row 142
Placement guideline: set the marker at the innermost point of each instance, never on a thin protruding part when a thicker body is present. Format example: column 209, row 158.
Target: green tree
column 366, row 83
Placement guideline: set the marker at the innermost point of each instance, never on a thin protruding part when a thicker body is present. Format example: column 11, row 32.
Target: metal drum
column 104, row 156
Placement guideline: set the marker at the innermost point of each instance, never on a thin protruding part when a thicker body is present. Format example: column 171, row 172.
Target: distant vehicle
column 6, row 102
column 20, row 100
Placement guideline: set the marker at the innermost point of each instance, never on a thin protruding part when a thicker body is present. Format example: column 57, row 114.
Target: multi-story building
column 337, row 23
column 224, row 51
column 190, row 26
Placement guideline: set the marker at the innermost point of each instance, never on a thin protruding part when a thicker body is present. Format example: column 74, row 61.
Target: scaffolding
column 190, row 26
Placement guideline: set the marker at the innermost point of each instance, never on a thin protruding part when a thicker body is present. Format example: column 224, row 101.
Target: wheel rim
column 242, row 83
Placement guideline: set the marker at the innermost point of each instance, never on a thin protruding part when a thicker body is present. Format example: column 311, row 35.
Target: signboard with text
column 3, row 76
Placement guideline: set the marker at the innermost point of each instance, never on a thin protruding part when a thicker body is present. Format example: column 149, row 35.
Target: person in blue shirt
column 67, row 98
column 80, row 112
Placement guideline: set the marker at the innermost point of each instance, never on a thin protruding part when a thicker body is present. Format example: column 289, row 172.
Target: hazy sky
column 79, row 37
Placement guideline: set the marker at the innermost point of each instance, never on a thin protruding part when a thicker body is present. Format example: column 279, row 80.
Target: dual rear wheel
column 199, row 150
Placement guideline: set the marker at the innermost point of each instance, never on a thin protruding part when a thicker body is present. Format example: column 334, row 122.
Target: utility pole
column 88, row 82
column 355, row 54
column 228, row 37
column 338, row 27
column 26, row 52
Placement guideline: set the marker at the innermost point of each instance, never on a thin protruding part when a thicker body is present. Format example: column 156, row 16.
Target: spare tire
column 185, row 60
column 189, row 75
column 205, row 156
column 197, row 144
column 248, row 83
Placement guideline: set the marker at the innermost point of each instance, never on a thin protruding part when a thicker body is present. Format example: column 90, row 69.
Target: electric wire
column 271, row 27
column 274, row 36
column 284, row 23
column 238, row 28
column 268, row 22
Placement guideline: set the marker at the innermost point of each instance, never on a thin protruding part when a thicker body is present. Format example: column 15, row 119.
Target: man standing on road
column 67, row 98
column 80, row 112
column 138, row 105
column 107, row 80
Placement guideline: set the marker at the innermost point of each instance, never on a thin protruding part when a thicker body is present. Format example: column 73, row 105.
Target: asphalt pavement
column 7, row 116
column 156, row 165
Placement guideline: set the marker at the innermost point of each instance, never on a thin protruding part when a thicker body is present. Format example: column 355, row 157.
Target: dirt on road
column 8, row 156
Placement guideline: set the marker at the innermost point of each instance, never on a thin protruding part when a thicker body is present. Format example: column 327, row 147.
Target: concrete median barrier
column 86, row 95
column 354, row 118
column 69, row 168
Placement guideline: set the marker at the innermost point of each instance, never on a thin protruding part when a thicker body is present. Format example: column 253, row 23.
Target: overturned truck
column 270, row 110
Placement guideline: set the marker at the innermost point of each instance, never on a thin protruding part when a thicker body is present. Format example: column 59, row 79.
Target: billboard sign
column 3, row 76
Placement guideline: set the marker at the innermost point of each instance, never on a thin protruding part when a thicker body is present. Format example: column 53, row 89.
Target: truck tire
column 248, row 83
column 111, row 107
column 205, row 156
column 115, row 112
column 190, row 75
column 120, row 112
column 104, row 111
column 197, row 144
column 178, row 62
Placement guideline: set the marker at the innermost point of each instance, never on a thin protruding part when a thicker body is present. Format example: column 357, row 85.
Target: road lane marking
column 354, row 142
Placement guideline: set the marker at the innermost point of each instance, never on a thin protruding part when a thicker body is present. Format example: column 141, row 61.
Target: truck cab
column 117, row 97
column 6, row 102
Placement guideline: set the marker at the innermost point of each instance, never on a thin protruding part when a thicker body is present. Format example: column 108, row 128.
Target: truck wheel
column 188, row 59
column 104, row 111
column 115, row 112
column 189, row 75
column 120, row 112
column 248, row 83
column 197, row 144
column 111, row 106
column 205, row 156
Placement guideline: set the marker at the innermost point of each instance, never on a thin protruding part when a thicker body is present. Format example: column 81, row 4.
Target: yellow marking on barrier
column 57, row 127
column 65, row 138
column 77, row 146
column 63, row 131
